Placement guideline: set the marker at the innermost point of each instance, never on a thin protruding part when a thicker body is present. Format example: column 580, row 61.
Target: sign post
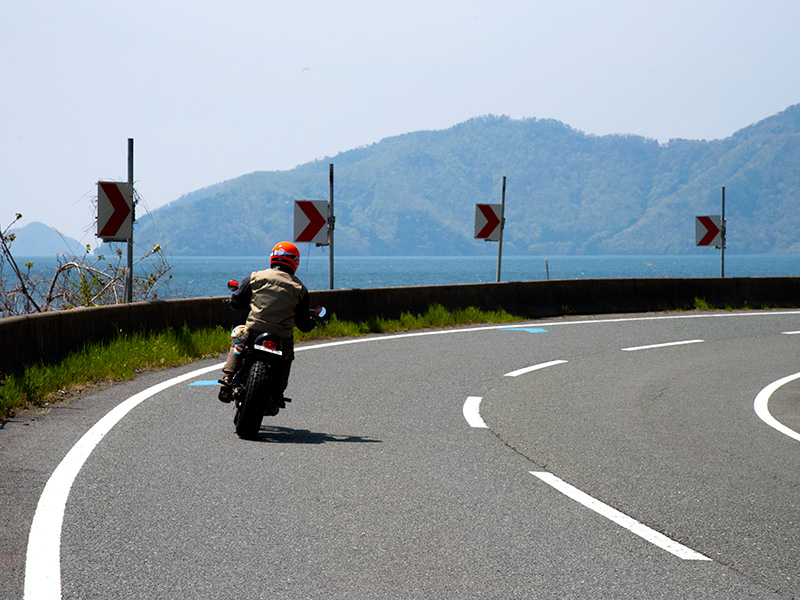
column 331, row 223
column 489, row 224
column 722, row 245
column 129, row 274
column 310, row 219
column 710, row 231
column 502, row 226
column 116, row 214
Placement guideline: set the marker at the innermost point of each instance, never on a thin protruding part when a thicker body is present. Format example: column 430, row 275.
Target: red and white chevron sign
column 487, row 221
column 310, row 220
column 708, row 230
column 114, row 211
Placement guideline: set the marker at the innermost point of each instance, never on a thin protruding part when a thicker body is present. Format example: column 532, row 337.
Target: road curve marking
column 621, row 519
column 666, row 345
column 43, row 560
column 524, row 370
column 42, row 570
column 761, row 406
column 472, row 412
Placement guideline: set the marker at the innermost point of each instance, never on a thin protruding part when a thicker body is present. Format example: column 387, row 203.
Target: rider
column 278, row 301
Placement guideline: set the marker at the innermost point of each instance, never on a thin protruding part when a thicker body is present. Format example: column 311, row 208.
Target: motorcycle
column 253, row 387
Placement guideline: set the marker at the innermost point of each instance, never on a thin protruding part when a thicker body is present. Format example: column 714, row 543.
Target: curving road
column 632, row 457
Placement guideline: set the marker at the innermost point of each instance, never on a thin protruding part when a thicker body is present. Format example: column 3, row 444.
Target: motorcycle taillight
column 268, row 346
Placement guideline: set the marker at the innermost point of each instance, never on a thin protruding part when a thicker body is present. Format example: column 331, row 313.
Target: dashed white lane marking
column 651, row 346
column 472, row 405
column 472, row 412
column 519, row 372
column 621, row 519
column 761, row 406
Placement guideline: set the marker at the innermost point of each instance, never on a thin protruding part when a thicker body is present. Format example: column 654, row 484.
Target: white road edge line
column 472, row 412
column 791, row 332
column 519, row 372
column 43, row 560
column 635, row 348
column 619, row 518
column 761, row 406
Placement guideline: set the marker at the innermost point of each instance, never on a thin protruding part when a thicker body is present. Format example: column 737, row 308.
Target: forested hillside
column 567, row 193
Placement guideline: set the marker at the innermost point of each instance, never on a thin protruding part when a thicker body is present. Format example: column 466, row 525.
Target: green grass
column 121, row 358
column 701, row 304
column 435, row 316
column 117, row 360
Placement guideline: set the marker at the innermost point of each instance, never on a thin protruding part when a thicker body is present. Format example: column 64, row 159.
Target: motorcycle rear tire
column 251, row 412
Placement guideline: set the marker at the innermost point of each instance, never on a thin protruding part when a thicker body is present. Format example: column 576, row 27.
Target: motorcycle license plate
column 268, row 349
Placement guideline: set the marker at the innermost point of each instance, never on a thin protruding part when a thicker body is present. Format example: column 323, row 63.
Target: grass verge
column 121, row 358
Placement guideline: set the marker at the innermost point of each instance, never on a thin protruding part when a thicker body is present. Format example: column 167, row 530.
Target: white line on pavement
column 43, row 561
column 634, row 348
column 519, row 372
column 761, row 406
column 621, row 519
column 472, row 412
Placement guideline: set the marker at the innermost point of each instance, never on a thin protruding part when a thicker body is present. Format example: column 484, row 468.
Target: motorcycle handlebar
column 319, row 315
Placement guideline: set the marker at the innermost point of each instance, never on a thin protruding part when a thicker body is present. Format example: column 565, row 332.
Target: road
column 574, row 458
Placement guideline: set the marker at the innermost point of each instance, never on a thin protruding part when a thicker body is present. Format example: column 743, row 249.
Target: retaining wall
column 49, row 336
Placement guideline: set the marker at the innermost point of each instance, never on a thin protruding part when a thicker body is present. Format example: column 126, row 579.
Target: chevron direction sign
column 310, row 220
column 708, row 230
column 488, row 218
column 114, row 211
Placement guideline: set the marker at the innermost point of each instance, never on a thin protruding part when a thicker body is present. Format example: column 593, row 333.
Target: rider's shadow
column 285, row 435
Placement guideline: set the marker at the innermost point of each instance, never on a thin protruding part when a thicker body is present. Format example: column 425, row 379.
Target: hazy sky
column 213, row 90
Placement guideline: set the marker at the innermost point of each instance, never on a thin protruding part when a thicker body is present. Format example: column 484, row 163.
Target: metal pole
column 502, row 226
column 129, row 275
column 331, row 221
column 722, row 238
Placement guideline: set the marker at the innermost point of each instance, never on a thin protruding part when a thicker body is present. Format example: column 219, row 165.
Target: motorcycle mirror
column 233, row 285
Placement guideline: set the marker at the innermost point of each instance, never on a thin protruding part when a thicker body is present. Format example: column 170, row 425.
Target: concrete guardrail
column 49, row 336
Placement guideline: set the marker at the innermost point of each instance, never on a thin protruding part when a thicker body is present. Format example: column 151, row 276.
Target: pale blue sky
column 213, row 90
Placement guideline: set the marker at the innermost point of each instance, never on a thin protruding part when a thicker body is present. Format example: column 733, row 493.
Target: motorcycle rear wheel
column 251, row 411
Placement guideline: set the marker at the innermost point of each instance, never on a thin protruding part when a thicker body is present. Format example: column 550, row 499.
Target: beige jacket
column 275, row 297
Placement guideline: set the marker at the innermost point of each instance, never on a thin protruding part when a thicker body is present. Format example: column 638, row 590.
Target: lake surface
column 207, row 276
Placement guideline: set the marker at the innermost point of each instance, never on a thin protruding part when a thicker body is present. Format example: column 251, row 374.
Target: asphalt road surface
column 648, row 456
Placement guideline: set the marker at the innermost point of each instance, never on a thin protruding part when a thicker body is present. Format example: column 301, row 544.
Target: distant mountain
column 37, row 238
column 567, row 193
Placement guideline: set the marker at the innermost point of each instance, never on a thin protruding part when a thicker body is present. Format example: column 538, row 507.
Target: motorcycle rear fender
column 269, row 343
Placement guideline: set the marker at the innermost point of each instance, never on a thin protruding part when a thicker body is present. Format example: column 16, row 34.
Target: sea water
column 200, row 276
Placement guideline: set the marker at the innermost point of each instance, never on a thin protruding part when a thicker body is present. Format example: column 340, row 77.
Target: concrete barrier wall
column 49, row 336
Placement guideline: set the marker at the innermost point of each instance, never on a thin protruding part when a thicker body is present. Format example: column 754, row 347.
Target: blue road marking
column 205, row 382
column 528, row 329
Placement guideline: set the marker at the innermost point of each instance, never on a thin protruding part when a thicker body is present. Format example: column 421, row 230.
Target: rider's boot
column 225, row 391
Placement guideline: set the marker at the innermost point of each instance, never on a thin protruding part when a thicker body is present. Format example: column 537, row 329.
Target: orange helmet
column 285, row 254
